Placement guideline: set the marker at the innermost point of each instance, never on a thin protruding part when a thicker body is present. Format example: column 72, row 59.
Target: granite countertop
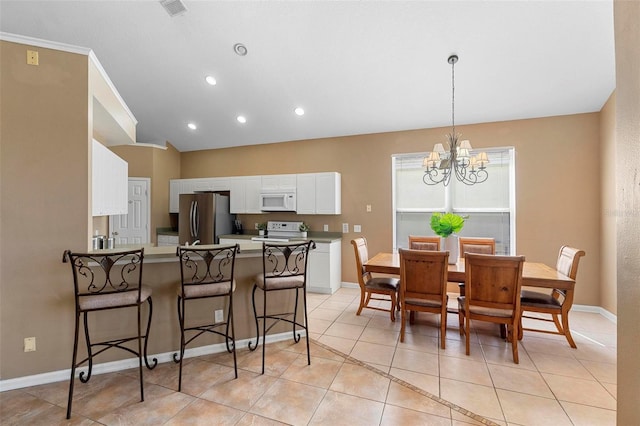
column 166, row 231
column 318, row 237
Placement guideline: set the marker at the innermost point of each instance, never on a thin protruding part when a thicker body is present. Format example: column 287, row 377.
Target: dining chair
column 423, row 286
column 284, row 268
column 419, row 242
column 477, row 245
column 207, row 272
column 106, row 281
column 492, row 294
column 558, row 302
column 371, row 286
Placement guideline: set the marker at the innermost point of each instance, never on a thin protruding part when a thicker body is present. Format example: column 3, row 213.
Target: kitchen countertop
column 320, row 237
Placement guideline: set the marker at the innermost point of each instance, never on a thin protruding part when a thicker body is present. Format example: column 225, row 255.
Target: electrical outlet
column 32, row 57
column 29, row 344
column 219, row 315
column 357, row 228
column 345, row 228
column 368, row 208
column 326, row 228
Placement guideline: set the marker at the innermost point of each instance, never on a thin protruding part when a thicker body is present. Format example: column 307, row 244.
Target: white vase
column 452, row 245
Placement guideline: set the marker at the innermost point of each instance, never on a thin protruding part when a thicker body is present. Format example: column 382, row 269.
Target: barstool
column 206, row 272
column 284, row 267
column 111, row 280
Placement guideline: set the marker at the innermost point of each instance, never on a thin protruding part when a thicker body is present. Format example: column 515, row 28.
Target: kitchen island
column 162, row 273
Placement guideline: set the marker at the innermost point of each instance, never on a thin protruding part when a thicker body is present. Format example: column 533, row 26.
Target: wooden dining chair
column 419, row 242
column 477, row 245
column 493, row 285
column 558, row 302
column 371, row 286
column 423, row 286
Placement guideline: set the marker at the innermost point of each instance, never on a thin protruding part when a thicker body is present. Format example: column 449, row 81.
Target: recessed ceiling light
column 299, row 111
column 192, row 126
column 241, row 119
column 211, row 80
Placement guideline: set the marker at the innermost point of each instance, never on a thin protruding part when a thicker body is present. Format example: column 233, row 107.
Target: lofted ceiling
column 356, row 67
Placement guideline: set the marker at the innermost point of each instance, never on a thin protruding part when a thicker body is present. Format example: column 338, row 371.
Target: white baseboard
column 596, row 310
column 349, row 285
column 125, row 364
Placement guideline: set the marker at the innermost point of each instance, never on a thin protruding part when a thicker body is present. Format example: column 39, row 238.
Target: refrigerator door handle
column 191, row 219
column 196, row 220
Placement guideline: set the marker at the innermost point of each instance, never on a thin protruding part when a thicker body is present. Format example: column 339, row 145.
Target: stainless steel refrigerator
column 204, row 217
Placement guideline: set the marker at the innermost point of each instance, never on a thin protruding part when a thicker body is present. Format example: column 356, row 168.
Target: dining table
column 534, row 274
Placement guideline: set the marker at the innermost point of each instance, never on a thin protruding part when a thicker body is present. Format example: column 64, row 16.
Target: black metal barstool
column 111, row 280
column 284, row 267
column 206, row 272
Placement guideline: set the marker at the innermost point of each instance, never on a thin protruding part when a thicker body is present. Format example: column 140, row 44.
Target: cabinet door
column 278, row 182
column 306, row 193
column 109, row 177
column 237, row 203
column 174, row 196
column 328, row 193
column 252, row 186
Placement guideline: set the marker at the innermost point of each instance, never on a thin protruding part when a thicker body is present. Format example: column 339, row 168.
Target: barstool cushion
column 280, row 282
column 207, row 290
column 114, row 300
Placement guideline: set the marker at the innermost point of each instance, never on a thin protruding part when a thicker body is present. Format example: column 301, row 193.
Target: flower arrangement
column 445, row 224
column 262, row 226
column 303, row 227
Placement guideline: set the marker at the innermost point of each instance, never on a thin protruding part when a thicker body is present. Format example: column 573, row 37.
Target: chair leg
column 296, row 338
column 392, row 311
column 146, row 339
column 264, row 328
column 513, row 333
column 306, row 323
column 443, row 327
column 255, row 316
column 73, row 365
column 179, row 359
column 233, row 335
column 362, row 301
column 140, row 353
column 403, row 321
column 81, row 376
column 566, row 331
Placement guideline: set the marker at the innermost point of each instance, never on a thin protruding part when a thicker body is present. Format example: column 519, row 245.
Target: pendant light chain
column 453, row 98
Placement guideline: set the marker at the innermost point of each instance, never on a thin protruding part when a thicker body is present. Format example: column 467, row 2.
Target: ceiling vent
column 174, row 7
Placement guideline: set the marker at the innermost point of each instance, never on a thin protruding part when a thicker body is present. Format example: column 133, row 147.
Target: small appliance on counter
column 237, row 227
column 280, row 231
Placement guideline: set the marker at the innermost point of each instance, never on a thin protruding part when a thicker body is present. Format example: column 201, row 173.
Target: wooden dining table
column 534, row 274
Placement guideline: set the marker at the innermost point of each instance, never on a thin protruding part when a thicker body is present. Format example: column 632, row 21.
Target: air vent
column 174, row 7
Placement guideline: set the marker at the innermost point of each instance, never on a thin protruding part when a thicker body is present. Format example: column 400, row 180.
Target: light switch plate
column 326, row 228
column 345, row 228
column 357, row 228
column 219, row 315
column 29, row 344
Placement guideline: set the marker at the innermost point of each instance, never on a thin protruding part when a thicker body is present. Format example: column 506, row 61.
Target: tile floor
column 360, row 374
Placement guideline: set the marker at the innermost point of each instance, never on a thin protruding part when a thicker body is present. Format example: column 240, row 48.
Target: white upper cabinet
column 279, row 183
column 245, row 194
column 319, row 193
column 110, row 177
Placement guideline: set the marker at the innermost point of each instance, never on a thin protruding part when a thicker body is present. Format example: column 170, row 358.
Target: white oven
column 282, row 201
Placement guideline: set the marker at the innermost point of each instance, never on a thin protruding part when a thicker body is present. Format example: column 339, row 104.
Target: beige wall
column 627, row 38
column 160, row 166
column 608, row 281
column 557, row 170
column 45, row 157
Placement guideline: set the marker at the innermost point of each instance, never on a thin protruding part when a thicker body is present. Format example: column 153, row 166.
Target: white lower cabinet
column 325, row 269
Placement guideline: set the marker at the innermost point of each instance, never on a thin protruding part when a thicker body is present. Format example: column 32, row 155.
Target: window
column 490, row 205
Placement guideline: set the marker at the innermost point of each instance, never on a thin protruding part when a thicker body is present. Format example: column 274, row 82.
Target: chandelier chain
column 453, row 97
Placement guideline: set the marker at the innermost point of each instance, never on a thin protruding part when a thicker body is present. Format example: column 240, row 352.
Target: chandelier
column 456, row 159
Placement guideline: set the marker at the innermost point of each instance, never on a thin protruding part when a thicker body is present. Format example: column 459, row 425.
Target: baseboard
column 596, row 310
column 349, row 285
column 125, row 364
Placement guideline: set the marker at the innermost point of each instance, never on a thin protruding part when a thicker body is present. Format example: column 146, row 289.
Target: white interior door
column 133, row 227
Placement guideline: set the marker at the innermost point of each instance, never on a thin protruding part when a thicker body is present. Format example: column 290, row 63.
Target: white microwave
column 278, row 201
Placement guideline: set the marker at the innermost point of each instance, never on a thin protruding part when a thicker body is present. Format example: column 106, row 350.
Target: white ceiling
column 356, row 67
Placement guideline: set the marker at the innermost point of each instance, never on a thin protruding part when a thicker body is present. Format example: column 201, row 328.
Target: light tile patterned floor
column 360, row 374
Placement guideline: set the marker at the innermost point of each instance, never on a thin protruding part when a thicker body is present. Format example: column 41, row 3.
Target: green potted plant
column 447, row 225
column 262, row 227
column 304, row 228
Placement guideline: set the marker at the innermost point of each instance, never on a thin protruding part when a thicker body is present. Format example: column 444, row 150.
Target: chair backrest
column 418, row 242
column 202, row 265
column 105, row 273
column 477, row 245
column 568, row 259
column 493, row 281
column 362, row 256
column 283, row 260
column 423, row 274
